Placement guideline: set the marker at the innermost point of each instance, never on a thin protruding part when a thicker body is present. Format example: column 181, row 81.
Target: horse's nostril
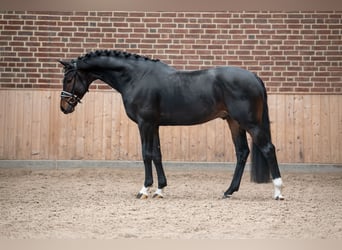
column 67, row 109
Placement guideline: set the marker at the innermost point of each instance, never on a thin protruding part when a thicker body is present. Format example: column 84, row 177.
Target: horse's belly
column 190, row 117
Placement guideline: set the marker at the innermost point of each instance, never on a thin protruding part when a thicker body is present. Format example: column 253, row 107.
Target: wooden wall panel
column 305, row 129
column 3, row 118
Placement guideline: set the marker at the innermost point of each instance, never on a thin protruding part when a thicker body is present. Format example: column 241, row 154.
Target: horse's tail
column 260, row 171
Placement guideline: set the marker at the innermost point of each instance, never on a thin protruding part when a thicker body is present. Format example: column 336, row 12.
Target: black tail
column 260, row 171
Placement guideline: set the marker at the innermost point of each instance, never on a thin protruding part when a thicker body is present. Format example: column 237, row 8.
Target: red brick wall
column 294, row 52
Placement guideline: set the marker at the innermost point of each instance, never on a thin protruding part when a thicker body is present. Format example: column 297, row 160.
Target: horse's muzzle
column 67, row 108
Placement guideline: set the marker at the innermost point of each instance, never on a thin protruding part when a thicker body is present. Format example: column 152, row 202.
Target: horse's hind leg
column 242, row 152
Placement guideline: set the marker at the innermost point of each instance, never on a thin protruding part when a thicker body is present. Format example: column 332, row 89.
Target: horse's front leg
column 146, row 136
column 151, row 152
column 157, row 160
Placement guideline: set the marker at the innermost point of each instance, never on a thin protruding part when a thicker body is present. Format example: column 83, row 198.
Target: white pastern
column 159, row 193
column 278, row 185
column 144, row 190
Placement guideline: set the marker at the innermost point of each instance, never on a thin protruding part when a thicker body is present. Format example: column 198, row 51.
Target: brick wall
column 294, row 52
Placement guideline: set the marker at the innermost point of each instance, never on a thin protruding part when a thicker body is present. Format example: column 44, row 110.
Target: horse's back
column 235, row 79
column 230, row 79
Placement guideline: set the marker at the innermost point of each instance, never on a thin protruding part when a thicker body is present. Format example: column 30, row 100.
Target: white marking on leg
column 278, row 185
column 144, row 190
column 158, row 193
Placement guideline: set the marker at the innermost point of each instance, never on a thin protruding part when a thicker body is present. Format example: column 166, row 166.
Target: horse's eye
column 69, row 79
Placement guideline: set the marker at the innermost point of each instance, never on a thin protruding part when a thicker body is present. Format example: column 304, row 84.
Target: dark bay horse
column 155, row 94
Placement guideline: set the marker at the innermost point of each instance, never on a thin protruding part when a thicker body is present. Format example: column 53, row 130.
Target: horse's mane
column 115, row 53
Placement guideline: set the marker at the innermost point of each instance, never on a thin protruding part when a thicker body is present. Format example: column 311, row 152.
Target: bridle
column 70, row 97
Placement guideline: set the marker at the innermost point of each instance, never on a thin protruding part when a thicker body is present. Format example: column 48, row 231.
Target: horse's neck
column 120, row 72
column 114, row 71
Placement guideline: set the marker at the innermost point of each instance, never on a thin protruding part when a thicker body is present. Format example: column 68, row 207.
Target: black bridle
column 71, row 98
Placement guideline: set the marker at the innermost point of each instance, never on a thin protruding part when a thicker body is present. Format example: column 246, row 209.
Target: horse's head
column 75, row 85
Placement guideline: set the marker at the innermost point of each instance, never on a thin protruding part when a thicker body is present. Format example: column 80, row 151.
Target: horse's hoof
column 226, row 196
column 142, row 196
column 158, row 196
column 279, row 198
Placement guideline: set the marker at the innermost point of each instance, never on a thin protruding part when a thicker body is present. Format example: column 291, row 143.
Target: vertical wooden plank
column 201, row 142
column 124, row 134
column 280, row 132
column 221, row 144
column 227, row 149
column 335, row 122
column 193, row 133
column 89, row 106
column 73, row 125
column 316, row 122
column 325, row 129
column 12, row 121
column 107, row 126
column 115, row 122
column 18, row 135
column 307, row 128
column 339, row 130
column 165, row 142
column 3, row 108
column 45, row 144
column 185, row 143
column 169, row 143
column 211, row 134
column 272, row 111
column 289, row 128
column 62, row 139
column 79, row 133
column 54, row 125
column 298, row 129
column 98, row 126
column 27, row 132
column 36, row 124
column 177, row 144
column 276, row 126
column 229, row 144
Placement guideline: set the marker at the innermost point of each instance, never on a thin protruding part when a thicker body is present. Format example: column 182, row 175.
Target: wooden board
column 305, row 129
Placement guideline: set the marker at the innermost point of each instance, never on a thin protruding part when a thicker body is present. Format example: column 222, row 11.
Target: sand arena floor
column 100, row 203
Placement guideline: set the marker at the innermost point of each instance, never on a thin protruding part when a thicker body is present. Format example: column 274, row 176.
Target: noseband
column 72, row 99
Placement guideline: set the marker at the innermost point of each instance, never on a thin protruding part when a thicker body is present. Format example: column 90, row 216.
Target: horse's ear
column 64, row 63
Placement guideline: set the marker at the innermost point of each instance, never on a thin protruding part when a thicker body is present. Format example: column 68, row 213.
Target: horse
column 155, row 94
